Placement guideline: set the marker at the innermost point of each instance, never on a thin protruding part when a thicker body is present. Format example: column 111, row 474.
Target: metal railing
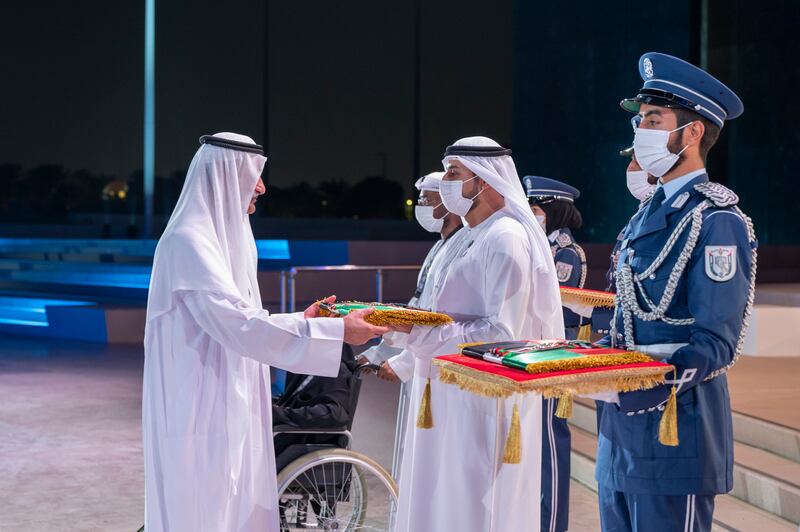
column 289, row 280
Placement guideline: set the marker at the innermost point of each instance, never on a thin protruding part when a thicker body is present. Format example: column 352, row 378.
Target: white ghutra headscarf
column 501, row 174
column 208, row 244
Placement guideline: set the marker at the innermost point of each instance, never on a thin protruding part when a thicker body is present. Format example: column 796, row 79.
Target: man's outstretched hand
column 357, row 331
column 313, row 310
column 387, row 373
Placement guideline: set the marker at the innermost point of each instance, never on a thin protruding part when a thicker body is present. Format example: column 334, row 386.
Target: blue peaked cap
column 672, row 82
column 544, row 188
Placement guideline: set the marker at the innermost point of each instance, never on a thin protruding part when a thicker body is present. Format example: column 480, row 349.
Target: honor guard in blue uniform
column 553, row 205
column 685, row 281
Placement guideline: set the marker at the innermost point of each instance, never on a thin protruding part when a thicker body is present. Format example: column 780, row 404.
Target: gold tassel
column 425, row 415
column 513, row 449
column 584, row 333
column 564, row 408
column 668, row 427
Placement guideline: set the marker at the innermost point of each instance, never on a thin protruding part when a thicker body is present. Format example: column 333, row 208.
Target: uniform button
column 652, row 276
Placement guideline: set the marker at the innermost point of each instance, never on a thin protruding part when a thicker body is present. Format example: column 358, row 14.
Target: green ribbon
column 521, row 360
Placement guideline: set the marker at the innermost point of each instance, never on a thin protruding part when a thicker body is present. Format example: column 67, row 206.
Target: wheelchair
column 327, row 486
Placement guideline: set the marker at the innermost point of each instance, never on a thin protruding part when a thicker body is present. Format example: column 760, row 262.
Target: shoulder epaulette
column 645, row 200
column 720, row 195
column 564, row 240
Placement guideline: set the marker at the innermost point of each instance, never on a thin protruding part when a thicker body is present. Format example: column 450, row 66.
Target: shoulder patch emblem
column 720, row 263
column 563, row 271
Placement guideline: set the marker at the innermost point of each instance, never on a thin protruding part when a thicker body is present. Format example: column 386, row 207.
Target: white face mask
column 541, row 218
column 424, row 215
column 638, row 185
column 652, row 154
column 453, row 196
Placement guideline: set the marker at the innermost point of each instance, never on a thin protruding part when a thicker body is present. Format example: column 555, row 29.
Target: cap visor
column 627, row 152
column 630, row 104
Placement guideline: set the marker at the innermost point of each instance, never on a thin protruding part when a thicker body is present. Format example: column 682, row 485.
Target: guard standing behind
column 553, row 205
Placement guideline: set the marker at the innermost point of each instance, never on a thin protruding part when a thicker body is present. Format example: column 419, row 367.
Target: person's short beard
column 676, row 146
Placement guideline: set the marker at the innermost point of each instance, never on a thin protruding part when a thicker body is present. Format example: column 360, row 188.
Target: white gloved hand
column 606, row 397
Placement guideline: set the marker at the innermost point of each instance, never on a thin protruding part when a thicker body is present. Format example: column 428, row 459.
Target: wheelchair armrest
column 288, row 429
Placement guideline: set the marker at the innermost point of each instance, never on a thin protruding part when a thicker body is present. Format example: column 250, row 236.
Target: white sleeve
column 402, row 365
column 507, row 288
column 395, row 340
column 577, row 308
column 287, row 341
column 381, row 352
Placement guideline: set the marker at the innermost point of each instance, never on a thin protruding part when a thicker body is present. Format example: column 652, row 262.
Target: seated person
column 315, row 403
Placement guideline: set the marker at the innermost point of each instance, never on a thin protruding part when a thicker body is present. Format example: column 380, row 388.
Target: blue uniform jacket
column 570, row 267
column 629, row 457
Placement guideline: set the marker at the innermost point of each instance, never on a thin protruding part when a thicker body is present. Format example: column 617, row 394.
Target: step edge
column 592, row 485
column 787, row 433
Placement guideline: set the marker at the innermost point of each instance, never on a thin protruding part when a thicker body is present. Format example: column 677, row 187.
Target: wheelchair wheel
column 336, row 490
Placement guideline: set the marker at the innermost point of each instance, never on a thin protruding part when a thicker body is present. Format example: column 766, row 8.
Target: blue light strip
column 149, row 112
column 267, row 249
column 31, row 312
column 105, row 274
column 273, row 249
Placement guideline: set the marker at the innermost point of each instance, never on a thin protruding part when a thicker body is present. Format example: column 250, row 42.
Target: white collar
column 672, row 187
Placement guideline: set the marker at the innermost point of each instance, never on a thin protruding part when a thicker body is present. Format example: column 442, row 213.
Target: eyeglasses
column 424, row 201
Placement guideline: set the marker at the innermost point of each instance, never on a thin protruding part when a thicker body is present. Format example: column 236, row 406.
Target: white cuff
column 402, row 365
column 580, row 310
column 606, row 397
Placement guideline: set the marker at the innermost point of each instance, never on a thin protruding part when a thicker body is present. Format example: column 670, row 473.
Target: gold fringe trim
column 585, row 362
column 587, row 297
column 512, row 453
column 398, row 316
column 425, row 414
column 489, row 385
column 461, row 347
column 668, row 426
column 564, row 408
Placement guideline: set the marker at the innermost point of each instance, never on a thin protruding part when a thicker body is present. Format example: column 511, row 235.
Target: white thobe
column 207, row 413
column 452, row 475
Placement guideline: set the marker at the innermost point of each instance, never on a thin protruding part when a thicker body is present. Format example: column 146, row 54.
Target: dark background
column 329, row 88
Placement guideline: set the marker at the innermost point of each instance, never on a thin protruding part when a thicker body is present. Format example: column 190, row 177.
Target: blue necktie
column 655, row 203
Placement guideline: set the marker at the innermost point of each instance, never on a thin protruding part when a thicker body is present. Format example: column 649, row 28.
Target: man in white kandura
column 397, row 363
column 206, row 412
column 500, row 285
